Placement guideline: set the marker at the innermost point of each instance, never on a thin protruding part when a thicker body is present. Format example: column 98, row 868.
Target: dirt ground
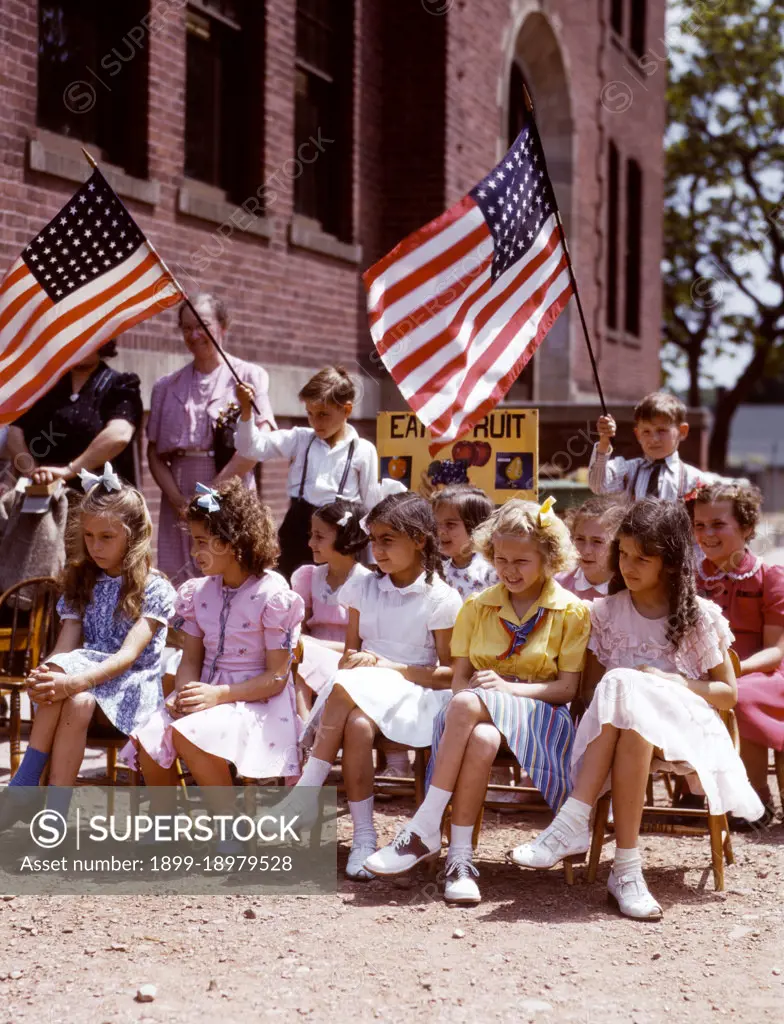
column 533, row 950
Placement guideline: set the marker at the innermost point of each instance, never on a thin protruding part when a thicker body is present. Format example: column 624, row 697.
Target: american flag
column 87, row 276
column 459, row 307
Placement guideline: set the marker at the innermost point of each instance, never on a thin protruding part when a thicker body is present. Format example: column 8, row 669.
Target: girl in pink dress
column 233, row 701
column 751, row 595
column 336, row 540
column 592, row 526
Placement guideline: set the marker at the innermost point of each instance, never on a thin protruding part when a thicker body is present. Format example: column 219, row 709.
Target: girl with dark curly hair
column 233, row 699
column 395, row 673
column 661, row 658
column 751, row 595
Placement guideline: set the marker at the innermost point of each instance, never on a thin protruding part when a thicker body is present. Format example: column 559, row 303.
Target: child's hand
column 489, row 680
column 195, row 697
column 358, row 659
column 171, row 704
column 606, row 428
column 52, row 687
column 245, row 395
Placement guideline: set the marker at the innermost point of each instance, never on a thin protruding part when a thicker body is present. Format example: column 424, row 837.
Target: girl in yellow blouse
column 517, row 653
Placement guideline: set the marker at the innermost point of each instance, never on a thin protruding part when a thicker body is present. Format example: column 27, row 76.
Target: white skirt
column 403, row 711
column 680, row 724
column 319, row 663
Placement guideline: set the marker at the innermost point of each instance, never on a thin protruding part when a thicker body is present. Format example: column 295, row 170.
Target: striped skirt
column 540, row 736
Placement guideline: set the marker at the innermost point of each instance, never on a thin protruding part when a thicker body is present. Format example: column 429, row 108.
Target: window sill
column 217, row 211
column 62, row 162
column 303, row 235
column 623, row 338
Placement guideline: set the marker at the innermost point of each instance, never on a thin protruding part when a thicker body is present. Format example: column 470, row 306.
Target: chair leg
column 649, row 792
column 15, row 729
column 111, row 766
column 419, row 775
column 778, row 760
column 601, row 815
column 715, row 822
column 729, row 856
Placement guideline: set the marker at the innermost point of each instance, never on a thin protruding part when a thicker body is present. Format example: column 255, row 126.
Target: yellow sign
column 500, row 455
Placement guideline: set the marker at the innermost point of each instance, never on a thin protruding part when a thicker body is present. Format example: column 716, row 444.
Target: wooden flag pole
column 93, row 163
column 570, row 271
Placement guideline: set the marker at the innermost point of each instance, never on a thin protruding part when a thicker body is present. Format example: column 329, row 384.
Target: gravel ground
column 533, row 950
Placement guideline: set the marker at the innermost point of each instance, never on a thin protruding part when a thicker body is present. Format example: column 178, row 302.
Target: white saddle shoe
column 460, row 886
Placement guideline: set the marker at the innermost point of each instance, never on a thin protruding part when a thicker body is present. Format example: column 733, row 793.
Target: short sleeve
column 445, row 606
column 706, row 644
column 281, row 620
column 302, row 584
column 574, row 639
column 353, row 593
column 600, row 641
column 773, row 596
column 158, row 601
column 67, row 611
column 463, row 630
column 185, row 609
column 156, row 410
column 123, row 400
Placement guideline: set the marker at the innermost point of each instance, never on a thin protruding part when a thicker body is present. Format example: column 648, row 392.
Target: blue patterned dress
column 128, row 699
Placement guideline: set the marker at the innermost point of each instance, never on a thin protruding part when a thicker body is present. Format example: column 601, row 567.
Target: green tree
column 724, row 219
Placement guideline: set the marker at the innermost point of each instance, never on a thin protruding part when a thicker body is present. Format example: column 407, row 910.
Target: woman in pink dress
column 336, row 540
column 233, row 701
column 751, row 595
column 185, row 408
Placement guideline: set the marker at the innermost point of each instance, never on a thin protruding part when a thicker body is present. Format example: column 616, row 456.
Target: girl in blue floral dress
column 107, row 659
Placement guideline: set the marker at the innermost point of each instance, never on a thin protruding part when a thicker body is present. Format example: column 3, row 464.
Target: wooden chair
column 716, row 825
column 29, row 611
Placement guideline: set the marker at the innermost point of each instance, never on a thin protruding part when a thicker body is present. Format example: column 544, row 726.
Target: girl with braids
column 660, row 655
column 114, row 610
column 233, row 699
column 394, row 676
column 518, row 649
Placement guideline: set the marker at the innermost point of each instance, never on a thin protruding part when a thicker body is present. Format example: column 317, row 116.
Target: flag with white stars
column 458, row 308
column 86, row 277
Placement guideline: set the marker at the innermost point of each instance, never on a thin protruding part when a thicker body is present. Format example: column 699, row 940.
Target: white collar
column 723, row 575
column 419, row 586
column 351, row 435
column 671, row 462
column 582, row 583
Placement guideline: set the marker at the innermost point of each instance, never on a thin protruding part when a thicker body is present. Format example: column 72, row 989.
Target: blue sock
column 58, row 798
column 31, row 769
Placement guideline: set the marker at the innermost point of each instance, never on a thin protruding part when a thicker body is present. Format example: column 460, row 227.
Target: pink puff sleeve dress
column 237, row 626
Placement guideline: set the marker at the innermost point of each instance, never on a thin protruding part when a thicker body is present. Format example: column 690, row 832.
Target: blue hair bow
column 208, row 499
column 108, row 478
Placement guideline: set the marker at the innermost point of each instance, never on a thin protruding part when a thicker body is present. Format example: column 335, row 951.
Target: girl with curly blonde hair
column 233, row 698
column 114, row 610
column 517, row 653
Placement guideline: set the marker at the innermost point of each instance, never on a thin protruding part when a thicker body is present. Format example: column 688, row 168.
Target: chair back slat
column 29, row 611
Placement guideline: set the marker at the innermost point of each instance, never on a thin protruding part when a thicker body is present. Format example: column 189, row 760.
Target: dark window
column 224, row 95
column 613, row 204
column 92, row 76
column 634, row 201
column 323, row 114
column 639, row 12
column 616, row 16
column 517, row 106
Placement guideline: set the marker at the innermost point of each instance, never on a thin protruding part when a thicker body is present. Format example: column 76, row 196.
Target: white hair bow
column 208, row 499
column 108, row 478
column 363, row 525
column 345, row 519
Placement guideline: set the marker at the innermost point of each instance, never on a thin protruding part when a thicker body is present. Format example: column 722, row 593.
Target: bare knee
column 484, row 743
column 464, row 708
column 339, row 696
column 359, row 728
column 79, row 708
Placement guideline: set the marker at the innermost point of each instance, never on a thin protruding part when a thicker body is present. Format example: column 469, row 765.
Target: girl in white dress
column 660, row 654
column 459, row 510
column 394, row 675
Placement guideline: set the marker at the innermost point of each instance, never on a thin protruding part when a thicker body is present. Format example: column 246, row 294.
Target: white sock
column 427, row 820
column 362, row 817
column 397, row 761
column 315, row 772
column 575, row 814
column 627, row 861
column 461, row 841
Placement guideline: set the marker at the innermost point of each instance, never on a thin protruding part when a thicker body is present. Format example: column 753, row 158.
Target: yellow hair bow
column 546, row 514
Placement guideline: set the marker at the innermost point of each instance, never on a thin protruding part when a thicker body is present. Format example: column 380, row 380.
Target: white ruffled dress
column 686, row 732
column 397, row 623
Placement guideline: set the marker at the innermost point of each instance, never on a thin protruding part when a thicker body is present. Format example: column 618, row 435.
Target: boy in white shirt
column 327, row 460
column 659, row 426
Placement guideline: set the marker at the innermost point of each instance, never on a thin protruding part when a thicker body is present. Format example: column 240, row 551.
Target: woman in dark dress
column 89, row 417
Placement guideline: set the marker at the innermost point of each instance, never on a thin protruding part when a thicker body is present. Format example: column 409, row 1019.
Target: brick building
column 273, row 149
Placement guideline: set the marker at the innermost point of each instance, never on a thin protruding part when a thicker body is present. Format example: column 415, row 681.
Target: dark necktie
column 652, row 490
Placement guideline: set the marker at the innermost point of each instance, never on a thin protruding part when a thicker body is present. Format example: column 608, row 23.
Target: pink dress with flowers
column 237, row 626
column 327, row 619
column 686, row 732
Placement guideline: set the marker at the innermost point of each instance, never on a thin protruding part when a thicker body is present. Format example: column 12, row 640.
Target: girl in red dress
column 751, row 595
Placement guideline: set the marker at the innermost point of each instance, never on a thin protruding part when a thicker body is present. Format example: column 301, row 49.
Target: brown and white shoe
column 405, row 851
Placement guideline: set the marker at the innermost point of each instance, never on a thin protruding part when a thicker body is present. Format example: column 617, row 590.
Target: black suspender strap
column 305, row 468
column 347, row 468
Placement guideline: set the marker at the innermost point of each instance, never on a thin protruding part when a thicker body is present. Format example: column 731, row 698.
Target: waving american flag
column 87, row 276
column 459, row 307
